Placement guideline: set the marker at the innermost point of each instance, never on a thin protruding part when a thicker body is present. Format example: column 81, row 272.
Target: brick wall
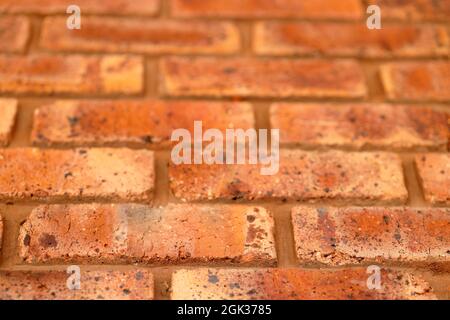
column 85, row 122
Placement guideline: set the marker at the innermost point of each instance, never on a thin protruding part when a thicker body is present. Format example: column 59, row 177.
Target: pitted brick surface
column 94, row 285
column 78, row 174
column 294, row 284
column 140, row 123
column 340, row 236
column 135, row 233
column 302, row 175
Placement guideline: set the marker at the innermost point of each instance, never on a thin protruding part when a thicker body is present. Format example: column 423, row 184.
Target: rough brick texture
column 8, row 111
column 295, row 284
column 338, row 9
column 414, row 9
column 88, row 172
column 307, row 176
column 417, row 81
column 340, row 236
column 77, row 174
column 50, row 74
column 360, row 126
column 1, row 232
column 136, row 233
column 434, row 174
column 94, row 285
column 141, row 36
column 140, row 123
column 292, row 38
column 242, row 77
column 14, row 34
column 121, row 7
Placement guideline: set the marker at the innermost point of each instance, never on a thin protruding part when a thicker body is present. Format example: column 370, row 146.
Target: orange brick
column 73, row 74
column 414, row 9
column 121, row 7
column 341, row 236
column 243, row 77
column 302, row 176
column 141, row 36
column 81, row 174
column 339, row 9
column 141, row 123
column 8, row 112
column 360, row 126
column 1, row 232
column 434, row 175
column 417, row 81
column 14, row 35
column 337, row 39
column 135, row 233
column 94, row 285
column 295, row 284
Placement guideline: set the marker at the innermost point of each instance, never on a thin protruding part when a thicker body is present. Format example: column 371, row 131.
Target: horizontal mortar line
column 375, row 101
column 291, row 146
column 229, row 56
column 301, row 266
column 271, row 100
column 291, row 204
column 223, row 19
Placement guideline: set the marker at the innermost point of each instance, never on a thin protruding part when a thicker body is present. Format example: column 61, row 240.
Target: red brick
column 342, row 236
column 360, row 126
column 14, row 34
column 80, row 174
column 295, row 284
column 94, row 285
column 242, row 77
column 141, row 123
column 302, row 176
column 141, row 36
column 120, row 7
column 434, row 174
column 8, row 112
column 417, row 81
column 322, row 9
column 72, row 74
column 414, row 9
column 337, row 39
column 135, row 233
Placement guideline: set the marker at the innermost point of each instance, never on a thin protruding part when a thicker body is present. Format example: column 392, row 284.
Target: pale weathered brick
column 120, row 7
column 340, row 236
column 417, row 80
column 322, row 9
column 337, row 39
column 14, row 34
column 72, row 74
column 134, row 284
column 8, row 112
column 434, row 174
column 303, row 176
column 135, row 233
column 79, row 174
column 414, row 9
column 295, row 284
column 141, row 36
column 141, row 123
column 360, row 126
column 262, row 78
